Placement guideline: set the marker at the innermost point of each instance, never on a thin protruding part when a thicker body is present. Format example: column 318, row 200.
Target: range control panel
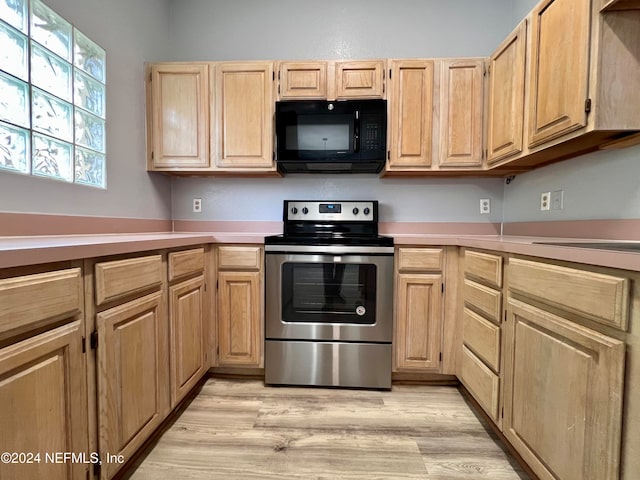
column 351, row 211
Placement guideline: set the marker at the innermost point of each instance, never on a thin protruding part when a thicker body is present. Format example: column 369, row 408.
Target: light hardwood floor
column 237, row 429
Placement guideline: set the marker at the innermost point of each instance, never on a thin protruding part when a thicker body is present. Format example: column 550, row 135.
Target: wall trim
column 27, row 224
column 621, row 229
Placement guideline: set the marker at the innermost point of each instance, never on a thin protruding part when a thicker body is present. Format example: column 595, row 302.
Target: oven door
column 329, row 297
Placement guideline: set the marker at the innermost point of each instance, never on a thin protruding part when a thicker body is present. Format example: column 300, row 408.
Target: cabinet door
column 461, row 99
column 559, row 68
column 245, row 105
column 563, row 395
column 302, row 80
column 418, row 321
column 43, row 404
column 133, row 375
column 360, row 79
column 506, row 96
column 187, row 336
column 411, row 121
column 239, row 319
column 180, row 116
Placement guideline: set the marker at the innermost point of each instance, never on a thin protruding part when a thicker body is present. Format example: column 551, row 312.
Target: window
column 52, row 96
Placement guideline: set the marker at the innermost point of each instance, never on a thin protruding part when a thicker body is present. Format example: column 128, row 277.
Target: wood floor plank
column 243, row 430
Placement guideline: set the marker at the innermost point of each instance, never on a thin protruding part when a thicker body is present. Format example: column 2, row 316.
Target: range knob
column 294, row 210
column 305, row 210
column 356, row 211
column 367, row 211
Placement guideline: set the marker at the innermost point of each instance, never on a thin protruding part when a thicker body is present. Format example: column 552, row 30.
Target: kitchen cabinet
column 506, row 70
column 411, row 115
column 480, row 365
column 331, row 80
column 418, row 322
column 188, row 331
column 131, row 343
column 575, row 100
column 302, row 80
column 461, row 113
column 43, row 390
column 564, row 376
column 244, row 106
column 178, row 116
column 240, row 299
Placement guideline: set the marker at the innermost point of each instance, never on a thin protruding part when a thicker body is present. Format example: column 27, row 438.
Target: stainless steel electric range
column 329, row 297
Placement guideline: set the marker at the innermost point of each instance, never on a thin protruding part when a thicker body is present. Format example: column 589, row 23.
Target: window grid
column 52, row 112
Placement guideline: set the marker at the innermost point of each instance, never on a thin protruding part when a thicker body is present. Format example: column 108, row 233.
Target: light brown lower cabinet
column 563, row 389
column 43, row 406
column 187, row 338
column 133, row 377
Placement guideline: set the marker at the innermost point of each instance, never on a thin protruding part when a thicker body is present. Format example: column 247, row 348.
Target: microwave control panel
column 372, row 134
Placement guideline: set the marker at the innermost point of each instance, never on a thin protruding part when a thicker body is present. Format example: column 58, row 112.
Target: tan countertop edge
column 22, row 251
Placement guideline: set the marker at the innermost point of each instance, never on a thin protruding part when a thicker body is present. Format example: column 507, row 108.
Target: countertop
column 21, row 251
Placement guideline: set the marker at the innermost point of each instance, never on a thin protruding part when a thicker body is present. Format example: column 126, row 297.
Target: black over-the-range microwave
column 331, row 137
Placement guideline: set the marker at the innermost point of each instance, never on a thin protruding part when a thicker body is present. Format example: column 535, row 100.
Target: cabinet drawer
column 239, row 258
column 483, row 384
column 123, row 277
column 420, row 259
column 484, row 267
column 482, row 337
column 185, row 263
column 31, row 301
column 484, row 299
column 596, row 296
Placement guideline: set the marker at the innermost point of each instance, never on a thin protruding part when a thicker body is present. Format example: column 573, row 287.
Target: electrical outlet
column 545, row 201
column 557, row 200
column 485, row 205
column 197, row 205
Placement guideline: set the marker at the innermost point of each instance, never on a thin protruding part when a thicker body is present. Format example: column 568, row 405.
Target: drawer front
column 596, row 296
column 484, row 267
column 482, row 337
column 483, row 384
column 124, row 277
column 239, row 258
column 31, row 301
column 483, row 299
column 420, row 259
column 186, row 263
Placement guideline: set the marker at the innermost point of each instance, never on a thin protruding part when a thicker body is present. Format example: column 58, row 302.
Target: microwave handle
column 356, row 132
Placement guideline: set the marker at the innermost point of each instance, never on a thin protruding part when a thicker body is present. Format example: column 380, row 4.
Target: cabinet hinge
column 150, row 76
column 389, row 74
column 273, row 76
column 217, row 284
column 442, row 288
column 93, row 340
column 278, row 76
column 505, row 315
column 151, row 155
column 587, row 105
column 502, row 413
column 278, row 89
column 440, row 356
column 217, row 350
column 388, row 154
column 205, row 287
column 273, row 156
column 84, row 345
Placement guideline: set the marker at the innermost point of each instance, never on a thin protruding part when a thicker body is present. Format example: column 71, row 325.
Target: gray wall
column 132, row 32
column 294, row 29
column 601, row 185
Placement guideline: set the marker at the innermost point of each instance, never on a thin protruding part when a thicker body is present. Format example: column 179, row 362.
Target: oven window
column 329, row 292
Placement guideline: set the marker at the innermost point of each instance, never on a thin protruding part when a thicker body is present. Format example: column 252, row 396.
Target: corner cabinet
column 211, row 118
column 418, row 325
column 240, row 312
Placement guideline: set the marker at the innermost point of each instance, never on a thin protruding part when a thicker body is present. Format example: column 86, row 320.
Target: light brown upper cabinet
column 331, row 80
column 244, row 116
column 360, row 79
column 506, row 96
column 302, row 80
column 559, row 75
column 580, row 92
column 461, row 104
column 178, row 116
column 410, row 120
